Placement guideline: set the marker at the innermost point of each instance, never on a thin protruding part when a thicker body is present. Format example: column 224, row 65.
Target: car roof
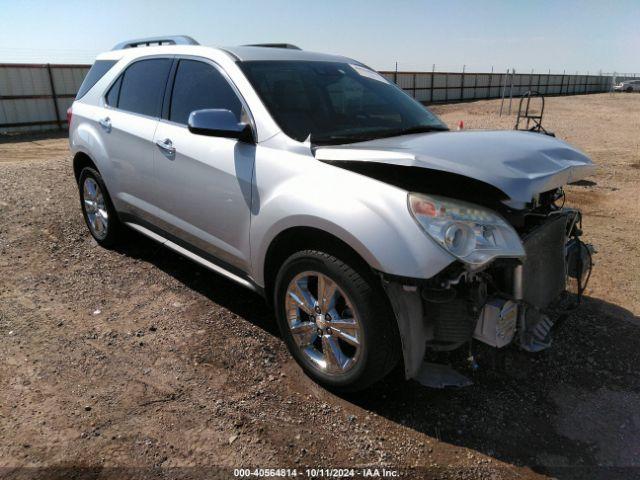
column 240, row 53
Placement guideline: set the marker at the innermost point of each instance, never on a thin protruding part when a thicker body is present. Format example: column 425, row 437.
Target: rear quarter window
column 113, row 93
column 95, row 73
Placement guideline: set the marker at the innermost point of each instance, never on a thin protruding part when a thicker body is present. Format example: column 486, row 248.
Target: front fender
column 370, row 216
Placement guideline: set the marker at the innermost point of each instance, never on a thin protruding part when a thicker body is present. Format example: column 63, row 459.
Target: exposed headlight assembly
column 473, row 234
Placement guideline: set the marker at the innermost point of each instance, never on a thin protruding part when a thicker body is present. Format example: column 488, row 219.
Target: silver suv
column 380, row 237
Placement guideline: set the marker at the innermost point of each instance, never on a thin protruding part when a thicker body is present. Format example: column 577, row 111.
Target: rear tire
column 346, row 340
column 98, row 211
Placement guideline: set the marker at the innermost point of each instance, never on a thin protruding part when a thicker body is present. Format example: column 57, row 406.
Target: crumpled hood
column 520, row 164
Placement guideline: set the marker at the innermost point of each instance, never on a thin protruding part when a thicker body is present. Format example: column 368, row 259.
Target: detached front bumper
column 505, row 303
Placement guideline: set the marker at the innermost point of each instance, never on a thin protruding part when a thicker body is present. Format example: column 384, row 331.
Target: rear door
column 204, row 183
column 134, row 103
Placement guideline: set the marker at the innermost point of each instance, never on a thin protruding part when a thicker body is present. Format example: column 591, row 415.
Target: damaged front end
column 495, row 202
column 508, row 300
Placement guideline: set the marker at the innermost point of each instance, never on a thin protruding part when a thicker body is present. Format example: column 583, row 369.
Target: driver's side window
column 199, row 85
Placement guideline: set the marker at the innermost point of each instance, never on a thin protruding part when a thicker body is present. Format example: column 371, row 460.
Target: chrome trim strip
column 192, row 256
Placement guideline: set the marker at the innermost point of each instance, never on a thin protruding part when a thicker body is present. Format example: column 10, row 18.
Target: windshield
column 336, row 102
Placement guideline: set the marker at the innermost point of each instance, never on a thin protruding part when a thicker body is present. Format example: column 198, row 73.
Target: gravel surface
column 136, row 358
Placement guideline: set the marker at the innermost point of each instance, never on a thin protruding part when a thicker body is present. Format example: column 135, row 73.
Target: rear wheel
column 97, row 208
column 335, row 321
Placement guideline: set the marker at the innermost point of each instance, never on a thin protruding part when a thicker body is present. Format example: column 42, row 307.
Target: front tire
column 336, row 321
column 97, row 208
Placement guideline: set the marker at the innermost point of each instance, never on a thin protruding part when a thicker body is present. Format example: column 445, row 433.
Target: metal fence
column 36, row 96
column 445, row 87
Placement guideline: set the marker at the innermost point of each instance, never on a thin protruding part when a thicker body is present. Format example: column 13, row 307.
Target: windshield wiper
column 341, row 139
column 417, row 129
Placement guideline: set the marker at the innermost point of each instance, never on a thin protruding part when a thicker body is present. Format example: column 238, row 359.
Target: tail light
column 69, row 115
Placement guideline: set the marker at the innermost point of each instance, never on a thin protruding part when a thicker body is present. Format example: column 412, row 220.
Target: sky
column 576, row 36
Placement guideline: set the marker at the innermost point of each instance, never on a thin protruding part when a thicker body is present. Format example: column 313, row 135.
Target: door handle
column 167, row 146
column 105, row 123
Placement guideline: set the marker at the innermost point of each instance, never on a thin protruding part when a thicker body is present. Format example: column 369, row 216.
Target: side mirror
column 219, row 123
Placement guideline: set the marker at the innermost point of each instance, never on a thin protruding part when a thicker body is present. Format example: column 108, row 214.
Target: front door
column 204, row 183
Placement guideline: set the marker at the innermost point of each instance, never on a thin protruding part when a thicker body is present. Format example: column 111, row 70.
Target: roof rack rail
column 275, row 45
column 156, row 41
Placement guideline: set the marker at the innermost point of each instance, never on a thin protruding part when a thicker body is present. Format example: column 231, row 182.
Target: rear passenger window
column 199, row 85
column 143, row 85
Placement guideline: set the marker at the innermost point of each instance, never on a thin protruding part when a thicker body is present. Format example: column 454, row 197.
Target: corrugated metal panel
column 20, row 80
column 67, row 80
column 454, row 79
column 405, row 80
column 439, row 80
column 26, row 95
column 423, row 80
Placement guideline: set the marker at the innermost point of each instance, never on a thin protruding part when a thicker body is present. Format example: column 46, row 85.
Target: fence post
column 513, row 71
column 504, row 90
column 433, row 74
column 462, row 84
column 566, row 90
column 414, row 85
column 546, row 87
column 586, row 82
column 475, row 85
column 562, row 82
column 54, row 97
column 446, row 86
column 490, row 81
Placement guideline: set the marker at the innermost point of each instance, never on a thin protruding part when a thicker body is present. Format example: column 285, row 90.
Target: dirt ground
column 137, row 363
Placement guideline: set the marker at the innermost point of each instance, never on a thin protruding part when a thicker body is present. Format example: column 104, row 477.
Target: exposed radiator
column 544, row 269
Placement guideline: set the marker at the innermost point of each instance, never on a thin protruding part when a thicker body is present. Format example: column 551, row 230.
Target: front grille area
column 453, row 324
column 544, row 268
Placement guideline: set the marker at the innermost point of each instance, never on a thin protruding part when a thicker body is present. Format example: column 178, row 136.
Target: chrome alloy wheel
column 324, row 324
column 95, row 207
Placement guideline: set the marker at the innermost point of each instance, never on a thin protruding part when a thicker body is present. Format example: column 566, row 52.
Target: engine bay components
column 497, row 323
column 510, row 301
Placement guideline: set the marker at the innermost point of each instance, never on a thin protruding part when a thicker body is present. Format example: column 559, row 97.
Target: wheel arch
column 299, row 238
column 80, row 161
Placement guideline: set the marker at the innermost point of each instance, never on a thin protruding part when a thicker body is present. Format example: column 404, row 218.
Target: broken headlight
column 473, row 234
